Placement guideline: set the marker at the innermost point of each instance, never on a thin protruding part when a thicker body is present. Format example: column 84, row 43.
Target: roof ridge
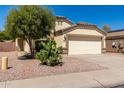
column 83, row 23
column 63, row 17
column 78, row 23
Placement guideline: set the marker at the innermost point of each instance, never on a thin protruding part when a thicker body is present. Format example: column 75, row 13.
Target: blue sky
column 99, row 15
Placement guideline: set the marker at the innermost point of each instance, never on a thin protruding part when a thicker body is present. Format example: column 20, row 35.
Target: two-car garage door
column 84, row 45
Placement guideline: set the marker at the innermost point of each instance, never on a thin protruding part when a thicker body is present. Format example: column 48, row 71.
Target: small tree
column 106, row 28
column 29, row 23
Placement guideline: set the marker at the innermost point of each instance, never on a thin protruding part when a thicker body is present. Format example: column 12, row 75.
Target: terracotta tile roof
column 78, row 24
column 64, row 18
column 81, row 25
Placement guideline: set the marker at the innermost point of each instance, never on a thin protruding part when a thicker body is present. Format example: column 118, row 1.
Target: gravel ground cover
column 22, row 69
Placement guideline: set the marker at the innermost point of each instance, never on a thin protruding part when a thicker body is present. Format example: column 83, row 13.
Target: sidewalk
column 93, row 79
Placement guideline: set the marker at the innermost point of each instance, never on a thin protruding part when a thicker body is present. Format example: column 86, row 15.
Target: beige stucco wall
column 104, row 42
column 19, row 44
column 60, row 39
column 64, row 25
column 26, row 47
column 109, row 45
column 115, row 33
column 85, row 32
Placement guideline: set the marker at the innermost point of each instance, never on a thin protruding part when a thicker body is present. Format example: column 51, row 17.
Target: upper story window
column 59, row 22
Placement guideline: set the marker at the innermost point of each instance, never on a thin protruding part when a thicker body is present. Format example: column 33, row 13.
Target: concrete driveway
column 110, row 60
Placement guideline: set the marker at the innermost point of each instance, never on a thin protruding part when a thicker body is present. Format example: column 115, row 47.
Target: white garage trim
column 84, row 45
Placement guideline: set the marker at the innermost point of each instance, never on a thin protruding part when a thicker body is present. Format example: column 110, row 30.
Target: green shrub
column 49, row 54
column 38, row 45
column 5, row 36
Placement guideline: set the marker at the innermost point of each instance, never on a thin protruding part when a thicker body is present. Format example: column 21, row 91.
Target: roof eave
column 60, row 32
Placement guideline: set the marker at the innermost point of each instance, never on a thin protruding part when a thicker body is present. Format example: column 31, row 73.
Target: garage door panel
column 84, row 47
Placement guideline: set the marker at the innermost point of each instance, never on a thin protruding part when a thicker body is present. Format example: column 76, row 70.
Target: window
column 59, row 22
column 64, row 38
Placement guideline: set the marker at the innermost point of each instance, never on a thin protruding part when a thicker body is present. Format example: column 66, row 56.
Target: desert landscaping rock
column 22, row 69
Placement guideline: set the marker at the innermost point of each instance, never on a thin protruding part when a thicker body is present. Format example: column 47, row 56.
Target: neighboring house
column 79, row 38
column 115, row 41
